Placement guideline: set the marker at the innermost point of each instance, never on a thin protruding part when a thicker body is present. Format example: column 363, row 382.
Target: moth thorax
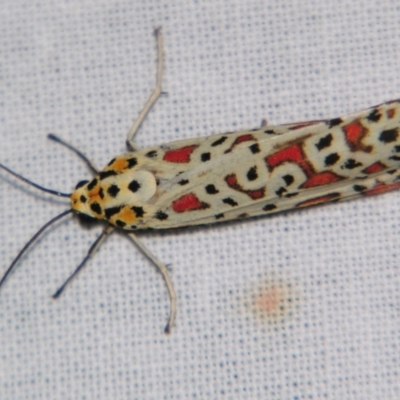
column 119, row 198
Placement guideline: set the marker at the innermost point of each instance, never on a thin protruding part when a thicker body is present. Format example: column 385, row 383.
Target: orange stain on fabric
column 272, row 301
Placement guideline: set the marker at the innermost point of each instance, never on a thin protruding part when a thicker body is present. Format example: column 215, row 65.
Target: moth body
column 247, row 173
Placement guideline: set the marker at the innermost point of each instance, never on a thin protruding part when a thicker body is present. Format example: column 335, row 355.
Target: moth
column 234, row 175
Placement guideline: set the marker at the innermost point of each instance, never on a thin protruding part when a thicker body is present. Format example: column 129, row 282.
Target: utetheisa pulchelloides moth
column 234, row 175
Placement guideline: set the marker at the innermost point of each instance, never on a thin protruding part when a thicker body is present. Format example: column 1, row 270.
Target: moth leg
column 93, row 248
column 154, row 96
column 164, row 272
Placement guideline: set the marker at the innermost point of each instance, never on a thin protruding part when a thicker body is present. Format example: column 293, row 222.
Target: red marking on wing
column 188, row 202
column 255, row 194
column 321, row 179
column 354, row 133
column 391, row 113
column 382, row 188
column 181, row 155
column 243, row 138
column 374, row 168
column 293, row 153
column 319, row 200
column 231, row 180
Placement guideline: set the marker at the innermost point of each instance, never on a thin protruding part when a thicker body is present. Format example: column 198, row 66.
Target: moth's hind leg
column 154, row 96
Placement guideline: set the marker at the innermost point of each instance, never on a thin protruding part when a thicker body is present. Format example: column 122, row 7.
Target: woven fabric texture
column 301, row 305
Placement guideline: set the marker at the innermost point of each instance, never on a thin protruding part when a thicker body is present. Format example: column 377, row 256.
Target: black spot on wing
column 230, row 201
column 211, row 189
column 252, row 174
column 288, row 179
column 219, row 141
column 254, row 148
column 324, row 142
column 162, row 216
column 139, row 211
column 374, row 116
column 334, row 122
column 359, row 188
column 331, row 159
column 151, row 154
column 205, row 157
column 131, row 162
column 351, row 164
column 388, row 136
column 134, row 186
column 280, row 191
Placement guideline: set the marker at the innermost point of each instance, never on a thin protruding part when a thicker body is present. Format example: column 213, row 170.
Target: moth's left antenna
column 43, row 228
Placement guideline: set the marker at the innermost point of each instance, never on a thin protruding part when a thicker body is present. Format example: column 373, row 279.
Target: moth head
column 117, row 197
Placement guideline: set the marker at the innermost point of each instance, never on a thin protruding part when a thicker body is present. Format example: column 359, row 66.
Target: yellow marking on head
column 74, row 198
column 76, row 203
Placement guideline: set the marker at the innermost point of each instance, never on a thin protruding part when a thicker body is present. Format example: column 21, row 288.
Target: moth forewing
column 271, row 169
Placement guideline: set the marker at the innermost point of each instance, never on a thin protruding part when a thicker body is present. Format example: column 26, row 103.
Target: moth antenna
column 89, row 163
column 30, row 242
column 164, row 272
column 35, row 185
column 93, row 248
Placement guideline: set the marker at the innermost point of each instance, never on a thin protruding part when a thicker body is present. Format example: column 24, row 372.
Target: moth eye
column 80, row 184
column 85, row 219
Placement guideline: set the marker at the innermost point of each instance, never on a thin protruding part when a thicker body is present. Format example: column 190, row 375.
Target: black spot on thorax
column 113, row 190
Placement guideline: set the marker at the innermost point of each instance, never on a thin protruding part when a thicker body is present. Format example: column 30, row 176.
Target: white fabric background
column 83, row 70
